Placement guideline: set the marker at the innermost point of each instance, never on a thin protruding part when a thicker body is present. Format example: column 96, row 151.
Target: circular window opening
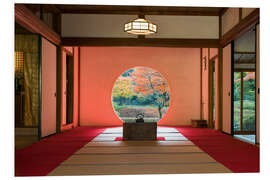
column 140, row 93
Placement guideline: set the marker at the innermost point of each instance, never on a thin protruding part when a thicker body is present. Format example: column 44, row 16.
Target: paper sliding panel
column 226, row 122
column 48, row 114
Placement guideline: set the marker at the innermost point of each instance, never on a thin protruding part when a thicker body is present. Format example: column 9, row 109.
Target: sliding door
column 258, row 83
column 226, row 97
column 48, row 112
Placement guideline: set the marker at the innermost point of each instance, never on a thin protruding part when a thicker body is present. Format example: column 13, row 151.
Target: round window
column 140, row 93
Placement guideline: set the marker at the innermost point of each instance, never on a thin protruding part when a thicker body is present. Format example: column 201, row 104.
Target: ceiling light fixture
column 140, row 26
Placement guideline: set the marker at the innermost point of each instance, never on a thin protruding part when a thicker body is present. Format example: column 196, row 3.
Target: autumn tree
column 123, row 88
column 148, row 81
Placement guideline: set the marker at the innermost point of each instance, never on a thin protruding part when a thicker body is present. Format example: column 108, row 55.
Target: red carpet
column 236, row 155
column 42, row 157
column 158, row 139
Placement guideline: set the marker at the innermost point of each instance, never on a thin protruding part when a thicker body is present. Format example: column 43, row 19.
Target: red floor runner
column 42, row 157
column 236, row 155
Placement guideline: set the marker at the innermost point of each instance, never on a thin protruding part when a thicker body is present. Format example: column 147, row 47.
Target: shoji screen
column 48, row 114
column 226, row 122
column 258, row 83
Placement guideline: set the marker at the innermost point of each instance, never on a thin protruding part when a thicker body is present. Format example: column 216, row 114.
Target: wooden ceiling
column 146, row 10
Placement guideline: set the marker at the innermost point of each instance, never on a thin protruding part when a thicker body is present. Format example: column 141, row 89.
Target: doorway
column 244, row 87
column 69, row 88
column 212, row 79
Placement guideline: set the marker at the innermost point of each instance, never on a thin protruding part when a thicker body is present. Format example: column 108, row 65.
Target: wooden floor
column 139, row 157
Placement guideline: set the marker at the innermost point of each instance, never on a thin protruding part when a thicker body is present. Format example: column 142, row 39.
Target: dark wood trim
column 51, row 8
column 242, row 27
column 244, row 70
column 223, row 11
column 31, row 22
column 220, row 26
column 135, row 10
column 244, row 52
column 58, row 89
column 240, row 14
column 152, row 42
column 201, row 60
column 244, row 132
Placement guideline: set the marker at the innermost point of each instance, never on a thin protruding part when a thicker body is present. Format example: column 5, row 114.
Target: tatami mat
column 139, row 158
column 105, row 156
column 142, row 168
column 139, row 149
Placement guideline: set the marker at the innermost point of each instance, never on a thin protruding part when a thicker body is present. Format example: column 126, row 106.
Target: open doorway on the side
column 212, row 93
column 69, row 88
column 26, row 79
column 244, row 87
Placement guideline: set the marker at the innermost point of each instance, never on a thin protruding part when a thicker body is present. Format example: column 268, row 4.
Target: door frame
column 232, row 84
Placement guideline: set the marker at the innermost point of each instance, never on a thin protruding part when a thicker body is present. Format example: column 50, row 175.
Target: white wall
column 201, row 27
column 101, row 25
column 95, row 25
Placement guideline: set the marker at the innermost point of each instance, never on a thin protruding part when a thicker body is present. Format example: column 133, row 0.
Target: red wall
column 101, row 66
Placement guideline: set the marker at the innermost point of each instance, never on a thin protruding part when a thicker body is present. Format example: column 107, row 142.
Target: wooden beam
column 240, row 14
column 223, row 11
column 242, row 27
column 135, row 10
column 152, row 42
column 28, row 20
column 51, row 8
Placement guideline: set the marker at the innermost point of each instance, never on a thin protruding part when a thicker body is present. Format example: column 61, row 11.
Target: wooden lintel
column 152, row 42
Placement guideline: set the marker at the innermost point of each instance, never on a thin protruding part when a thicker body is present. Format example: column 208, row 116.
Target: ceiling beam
column 31, row 22
column 149, row 42
column 132, row 10
column 222, row 11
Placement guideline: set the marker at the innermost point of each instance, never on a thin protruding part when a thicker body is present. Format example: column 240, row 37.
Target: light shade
column 140, row 27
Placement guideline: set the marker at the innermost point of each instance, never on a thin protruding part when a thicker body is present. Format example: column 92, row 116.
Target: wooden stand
column 140, row 131
column 199, row 123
